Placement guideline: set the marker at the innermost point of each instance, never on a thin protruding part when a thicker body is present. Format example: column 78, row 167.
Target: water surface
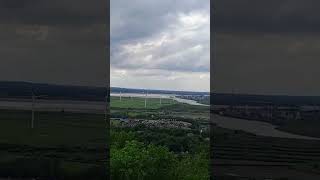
column 164, row 96
column 255, row 127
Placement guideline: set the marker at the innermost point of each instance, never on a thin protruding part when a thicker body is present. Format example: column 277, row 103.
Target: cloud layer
column 267, row 47
column 160, row 44
column 60, row 41
column 267, row 15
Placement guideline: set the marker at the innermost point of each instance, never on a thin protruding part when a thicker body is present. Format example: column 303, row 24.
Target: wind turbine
column 34, row 97
column 173, row 96
column 145, row 100
column 106, row 109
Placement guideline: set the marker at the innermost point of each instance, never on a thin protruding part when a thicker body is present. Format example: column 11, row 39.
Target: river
column 77, row 106
column 256, row 127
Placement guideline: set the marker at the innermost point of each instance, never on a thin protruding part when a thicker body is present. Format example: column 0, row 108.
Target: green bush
column 135, row 161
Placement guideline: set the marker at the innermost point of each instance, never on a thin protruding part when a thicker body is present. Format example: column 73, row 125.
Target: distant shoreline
column 164, row 96
column 75, row 106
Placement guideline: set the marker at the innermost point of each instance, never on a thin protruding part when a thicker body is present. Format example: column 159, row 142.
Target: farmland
column 62, row 145
column 240, row 154
column 139, row 103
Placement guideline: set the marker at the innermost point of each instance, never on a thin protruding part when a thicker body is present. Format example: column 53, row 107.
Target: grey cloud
column 162, row 42
column 267, row 63
column 266, row 15
column 140, row 18
column 54, row 41
column 53, row 12
column 266, row 46
column 145, row 21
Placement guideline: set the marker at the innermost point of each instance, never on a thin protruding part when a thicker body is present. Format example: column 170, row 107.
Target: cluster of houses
column 161, row 123
column 194, row 97
column 270, row 113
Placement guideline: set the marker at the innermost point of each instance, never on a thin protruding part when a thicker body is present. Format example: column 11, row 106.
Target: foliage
column 136, row 161
column 193, row 167
column 132, row 159
column 177, row 140
column 119, row 138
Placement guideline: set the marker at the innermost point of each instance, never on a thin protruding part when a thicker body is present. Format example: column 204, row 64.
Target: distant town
column 270, row 113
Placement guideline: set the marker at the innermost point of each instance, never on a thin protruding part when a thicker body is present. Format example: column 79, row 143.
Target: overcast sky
column 54, row 41
column 267, row 47
column 160, row 44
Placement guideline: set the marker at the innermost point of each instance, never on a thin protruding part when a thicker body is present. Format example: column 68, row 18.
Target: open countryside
column 265, row 137
column 140, row 102
column 159, row 127
column 65, row 135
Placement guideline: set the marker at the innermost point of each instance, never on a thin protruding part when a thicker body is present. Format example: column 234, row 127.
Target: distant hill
column 25, row 89
column 245, row 99
column 152, row 91
column 10, row 89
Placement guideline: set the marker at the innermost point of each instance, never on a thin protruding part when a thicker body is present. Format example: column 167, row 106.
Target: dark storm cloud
column 267, row 15
column 53, row 11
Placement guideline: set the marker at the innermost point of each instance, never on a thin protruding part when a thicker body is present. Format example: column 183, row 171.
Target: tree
column 136, row 161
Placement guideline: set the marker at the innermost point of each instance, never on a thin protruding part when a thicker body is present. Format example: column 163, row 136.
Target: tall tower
column 145, row 100
column 33, row 103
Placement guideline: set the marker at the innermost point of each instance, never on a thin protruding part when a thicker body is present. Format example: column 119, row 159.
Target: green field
column 65, row 145
column 139, row 103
